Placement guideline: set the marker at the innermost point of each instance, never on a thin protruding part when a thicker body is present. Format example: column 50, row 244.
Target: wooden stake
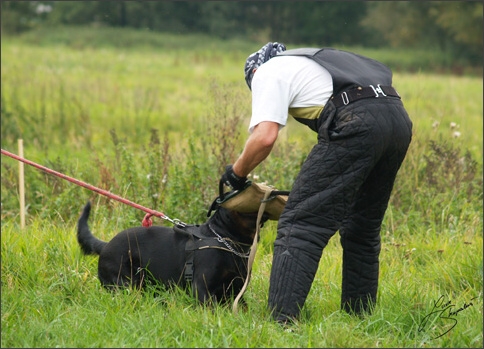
column 21, row 184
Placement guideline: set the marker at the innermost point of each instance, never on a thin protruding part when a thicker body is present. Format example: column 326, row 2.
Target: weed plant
column 157, row 126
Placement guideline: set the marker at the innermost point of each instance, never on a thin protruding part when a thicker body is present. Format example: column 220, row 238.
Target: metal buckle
column 178, row 222
column 189, row 271
column 377, row 90
column 344, row 97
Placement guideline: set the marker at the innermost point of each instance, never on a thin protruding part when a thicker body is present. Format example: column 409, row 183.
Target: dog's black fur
column 143, row 255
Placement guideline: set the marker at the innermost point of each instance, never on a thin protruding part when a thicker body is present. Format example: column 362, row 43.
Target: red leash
column 146, row 220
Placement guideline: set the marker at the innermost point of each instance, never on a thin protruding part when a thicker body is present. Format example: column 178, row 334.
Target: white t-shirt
column 288, row 82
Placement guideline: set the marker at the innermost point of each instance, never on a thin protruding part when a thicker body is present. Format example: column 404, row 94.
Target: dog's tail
column 88, row 242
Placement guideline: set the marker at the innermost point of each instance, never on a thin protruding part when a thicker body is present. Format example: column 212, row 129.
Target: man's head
column 256, row 59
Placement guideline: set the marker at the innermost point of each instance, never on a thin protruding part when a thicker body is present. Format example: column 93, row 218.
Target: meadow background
column 155, row 117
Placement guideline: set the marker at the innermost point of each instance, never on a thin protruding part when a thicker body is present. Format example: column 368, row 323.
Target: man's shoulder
column 288, row 63
column 302, row 51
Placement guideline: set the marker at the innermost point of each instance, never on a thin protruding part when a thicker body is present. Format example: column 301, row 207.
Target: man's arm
column 258, row 146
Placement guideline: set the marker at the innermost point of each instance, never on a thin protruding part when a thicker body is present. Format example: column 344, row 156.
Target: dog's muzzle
column 250, row 198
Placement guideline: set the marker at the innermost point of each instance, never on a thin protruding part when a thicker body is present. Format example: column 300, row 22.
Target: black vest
column 347, row 69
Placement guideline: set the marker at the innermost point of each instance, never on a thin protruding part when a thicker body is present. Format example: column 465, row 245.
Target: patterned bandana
column 258, row 58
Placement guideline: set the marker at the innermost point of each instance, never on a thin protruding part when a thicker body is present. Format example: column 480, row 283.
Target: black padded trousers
column 344, row 184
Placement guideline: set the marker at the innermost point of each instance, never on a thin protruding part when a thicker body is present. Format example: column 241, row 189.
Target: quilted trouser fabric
column 344, row 184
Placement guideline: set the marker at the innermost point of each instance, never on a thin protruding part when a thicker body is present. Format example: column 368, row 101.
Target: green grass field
column 155, row 118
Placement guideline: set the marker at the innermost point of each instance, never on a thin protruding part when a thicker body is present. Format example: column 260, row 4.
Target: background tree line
column 452, row 27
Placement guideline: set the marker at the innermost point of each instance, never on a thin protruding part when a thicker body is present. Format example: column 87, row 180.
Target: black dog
column 210, row 259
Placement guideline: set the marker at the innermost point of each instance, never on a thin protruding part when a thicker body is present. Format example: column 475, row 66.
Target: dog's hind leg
column 88, row 242
column 120, row 270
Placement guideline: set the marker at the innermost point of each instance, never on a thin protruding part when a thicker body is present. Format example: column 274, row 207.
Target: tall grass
column 157, row 126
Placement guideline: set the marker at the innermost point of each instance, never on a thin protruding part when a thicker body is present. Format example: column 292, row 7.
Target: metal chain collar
column 224, row 241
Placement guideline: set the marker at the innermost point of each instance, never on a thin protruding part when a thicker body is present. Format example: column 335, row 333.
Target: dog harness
column 198, row 241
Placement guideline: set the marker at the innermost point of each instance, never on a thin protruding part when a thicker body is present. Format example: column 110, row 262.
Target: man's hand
column 230, row 179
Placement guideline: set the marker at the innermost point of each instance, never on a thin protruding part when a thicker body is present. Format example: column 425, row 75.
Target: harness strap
column 189, row 251
column 200, row 243
column 189, row 229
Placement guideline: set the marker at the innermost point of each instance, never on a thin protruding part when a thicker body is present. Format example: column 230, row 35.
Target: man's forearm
column 257, row 149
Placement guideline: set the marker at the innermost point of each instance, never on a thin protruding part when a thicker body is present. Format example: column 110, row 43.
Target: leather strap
column 253, row 249
column 346, row 97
